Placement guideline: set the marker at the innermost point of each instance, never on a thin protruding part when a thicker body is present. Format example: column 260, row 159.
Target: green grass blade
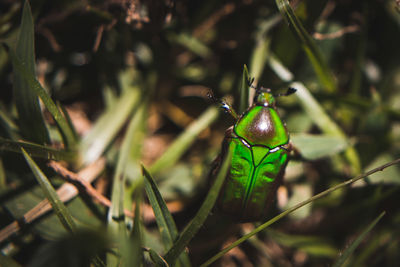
column 135, row 252
column 60, row 209
column 244, row 91
column 30, row 119
column 312, row 51
column 108, row 125
column 35, row 86
column 163, row 217
column 194, row 226
column 156, row 258
column 324, row 122
column 296, row 207
column 165, row 222
column 181, row 144
column 314, row 147
column 116, row 215
column 316, row 112
column 35, row 150
column 259, row 58
column 345, row 255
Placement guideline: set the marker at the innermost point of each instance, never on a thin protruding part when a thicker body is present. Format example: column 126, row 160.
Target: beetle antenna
column 223, row 104
column 289, row 91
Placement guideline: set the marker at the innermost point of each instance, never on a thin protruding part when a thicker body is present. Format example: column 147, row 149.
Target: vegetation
column 108, row 133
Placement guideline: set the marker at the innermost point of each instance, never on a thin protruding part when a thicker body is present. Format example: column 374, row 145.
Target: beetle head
column 264, row 97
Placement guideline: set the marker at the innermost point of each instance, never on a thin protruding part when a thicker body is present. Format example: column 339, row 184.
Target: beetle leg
column 229, row 109
column 296, row 152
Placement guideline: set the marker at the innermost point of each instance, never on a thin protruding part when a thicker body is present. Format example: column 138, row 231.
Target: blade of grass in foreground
column 296, row 207
column 194, row 226
column 60, row 209
column 116, row 215
column 66, row 132
column 314, row 54
column 165, row 222
column 35, row 150
column 30, row 117
column 244, row 91
column 345, row 255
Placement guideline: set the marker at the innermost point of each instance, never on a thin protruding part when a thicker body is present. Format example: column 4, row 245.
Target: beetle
column 260, row 147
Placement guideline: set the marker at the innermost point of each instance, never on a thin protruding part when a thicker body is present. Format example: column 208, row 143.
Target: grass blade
column 108, row 125
column 312, row 51
column 30, row 116
column 316, row 112
column 345, row 255
column 181, row 144
column 197, row 222
column 244, row 91
column 324, row 122
column 35, row 150
column 60, row 209
column 116, row 215
column 296, row 207
column 35, row 86
column 165, row 222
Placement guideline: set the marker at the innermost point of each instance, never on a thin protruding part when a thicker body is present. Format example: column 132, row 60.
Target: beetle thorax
column 261, row 125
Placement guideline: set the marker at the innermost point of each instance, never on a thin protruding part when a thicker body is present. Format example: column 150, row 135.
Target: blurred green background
column 132, row 77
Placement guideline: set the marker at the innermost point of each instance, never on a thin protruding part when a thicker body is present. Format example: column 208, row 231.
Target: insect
column 259, row 142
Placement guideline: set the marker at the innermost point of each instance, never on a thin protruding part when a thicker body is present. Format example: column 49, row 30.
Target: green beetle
column 259, row 142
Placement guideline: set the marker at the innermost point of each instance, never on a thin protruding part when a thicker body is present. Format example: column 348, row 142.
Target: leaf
column 165, row 222
column 313, row 147
column 30, row 116
column 244, row 91
column 108, row 125
column 181, row 144
column 345, row 255
column 194, row 226
column 157, row 259
column 60, row 209
column 35, row 86
column 35, row 150
column 312, row 51
column 135, row 252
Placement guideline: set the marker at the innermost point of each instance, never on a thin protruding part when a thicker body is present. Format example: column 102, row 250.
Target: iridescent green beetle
column 259, row 142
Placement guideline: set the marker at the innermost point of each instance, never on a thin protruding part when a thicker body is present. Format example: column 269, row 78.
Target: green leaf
column 259, row 58
column 181, row 144
column 35, row 150
column 157, row 259
column 346, row 254
column 135, row 252
column 312, row 51
column 324, row 122
column 244, row 91
column 313, row 147
column 60, row 209
column 165, row 222
column 116, row 215
column 35, row 86
column 30, row 119
column 194, row 226
column 108, row 125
